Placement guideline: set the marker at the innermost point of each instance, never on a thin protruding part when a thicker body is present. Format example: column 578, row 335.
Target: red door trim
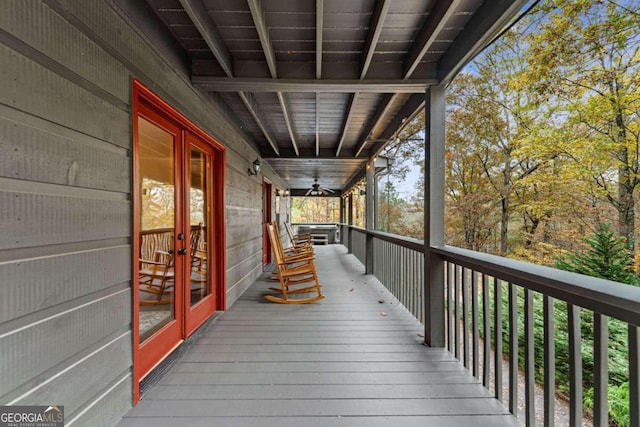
column 267, row 190
column 144, row 98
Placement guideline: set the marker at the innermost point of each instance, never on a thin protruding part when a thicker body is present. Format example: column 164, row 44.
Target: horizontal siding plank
column 237, row 289
column 242, row 251
column 44, row 282
column 106, row 407
column 53, row 37
column 85, row 379
column 36, row 348
column 242, row 217
column 36, row 155
column 146, row 61
column 238, row 235
column 246, row 202
column 35, row 219
column 50, row 96
column 237, row 272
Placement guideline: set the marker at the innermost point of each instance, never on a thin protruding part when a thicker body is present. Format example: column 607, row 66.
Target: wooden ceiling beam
column 200, row 17
column 258, row 15
column 319, row 28
column 240, row 84
column 483, row 26
column 251, row 104
column 385, row 104
column 436, row 21
column 319, row 36
column 375, row 28
column 347, row 120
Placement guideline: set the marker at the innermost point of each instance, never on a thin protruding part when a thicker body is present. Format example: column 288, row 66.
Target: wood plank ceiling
column 321, row 85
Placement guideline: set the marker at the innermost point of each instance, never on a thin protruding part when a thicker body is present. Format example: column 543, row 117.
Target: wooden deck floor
column 338, row 362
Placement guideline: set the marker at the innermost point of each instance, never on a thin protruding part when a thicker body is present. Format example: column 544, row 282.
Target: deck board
column 355, row 358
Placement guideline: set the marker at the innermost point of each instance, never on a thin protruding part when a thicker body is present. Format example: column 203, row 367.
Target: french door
column 179, row 223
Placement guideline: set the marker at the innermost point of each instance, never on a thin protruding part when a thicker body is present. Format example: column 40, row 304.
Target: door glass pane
column 200, row 167
column 156, row 279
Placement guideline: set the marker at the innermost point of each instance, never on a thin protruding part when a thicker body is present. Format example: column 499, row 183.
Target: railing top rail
column 406, row 242
column 607, row 297
column 356, row 228
column 610, row 298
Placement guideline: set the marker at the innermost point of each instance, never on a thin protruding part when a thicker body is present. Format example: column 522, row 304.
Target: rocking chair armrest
column 296, row 260
column 146, row 261
column 156, row 258
column 298, row 255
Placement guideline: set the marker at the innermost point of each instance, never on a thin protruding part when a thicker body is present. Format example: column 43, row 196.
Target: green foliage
column 606, row 257
column 618, row 360
column 618, row 396
column 315, row 209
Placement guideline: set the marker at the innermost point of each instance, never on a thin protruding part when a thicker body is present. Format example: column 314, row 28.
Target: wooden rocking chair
column 157, row 277
column 293, row 271
column 297, row 239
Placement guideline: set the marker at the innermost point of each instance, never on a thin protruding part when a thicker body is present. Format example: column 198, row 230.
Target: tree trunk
column 504, row 204
column 504, row 225
column 626, row 203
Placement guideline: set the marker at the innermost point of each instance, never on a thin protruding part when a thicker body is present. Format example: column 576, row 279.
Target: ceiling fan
column 317, row 190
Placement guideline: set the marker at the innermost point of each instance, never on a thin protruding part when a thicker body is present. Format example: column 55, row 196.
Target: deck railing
column 489, row 308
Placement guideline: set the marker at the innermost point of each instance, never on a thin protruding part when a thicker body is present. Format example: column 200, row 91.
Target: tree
column 587, row 55
column 470, row 195
column 503, row 125
column 606, row 257
column 390, row 209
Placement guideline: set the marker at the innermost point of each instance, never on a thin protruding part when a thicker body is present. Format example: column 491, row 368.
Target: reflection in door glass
column 156, row 277
column 200, row 165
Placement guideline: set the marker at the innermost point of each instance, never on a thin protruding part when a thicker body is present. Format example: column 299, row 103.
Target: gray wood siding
column 66, row 199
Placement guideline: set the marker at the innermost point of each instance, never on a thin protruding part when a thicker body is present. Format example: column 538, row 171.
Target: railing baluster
column 486, row 333
column 403, row 275
column 456, row 305
column 575, row 366
column 600, row 370
column 420, row 273
column 448, row 269
column 513, row 349
column 634, row 375
column 475, row 320
column 465, row 318
column 497, row 337
column 529, row 360
column 549, row 363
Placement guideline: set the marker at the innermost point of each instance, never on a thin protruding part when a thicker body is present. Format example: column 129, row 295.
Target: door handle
column 182, row 251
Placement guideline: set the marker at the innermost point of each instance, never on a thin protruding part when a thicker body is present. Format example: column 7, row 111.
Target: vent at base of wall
column 149, row 382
